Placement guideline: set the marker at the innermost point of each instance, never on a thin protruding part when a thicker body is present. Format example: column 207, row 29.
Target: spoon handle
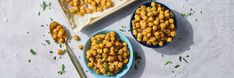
column 75, row 62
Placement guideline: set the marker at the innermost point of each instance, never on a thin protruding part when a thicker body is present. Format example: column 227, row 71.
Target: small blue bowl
column 120, row 73
column 149, row 4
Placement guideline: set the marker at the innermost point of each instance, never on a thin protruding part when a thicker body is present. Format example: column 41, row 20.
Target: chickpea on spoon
column 59, row 35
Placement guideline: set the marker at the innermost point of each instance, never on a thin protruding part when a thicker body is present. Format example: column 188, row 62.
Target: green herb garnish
column 168, row 62
column 29, row 60
column 186, row 14
column 39, row 13
column 54, row 57
column 62, row 71
column 185, row 60
column 177, row 66
column 106, row 67
column 51, row 19
column 48, row 42
column 99, row 41
column 33, row 52
column 44, row 5
column 135, row 67
column 136, row 56
column 180, row 58
column 65, row 50
column 51, row 52
column 122, row 30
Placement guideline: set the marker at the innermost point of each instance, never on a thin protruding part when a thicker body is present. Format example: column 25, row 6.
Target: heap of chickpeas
column 153, row 25
column 107, row 54
column 81, row 7
column 58, row 33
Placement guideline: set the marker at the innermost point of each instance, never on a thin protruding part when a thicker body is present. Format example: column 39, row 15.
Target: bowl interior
column 149, row 4
column 123, row 70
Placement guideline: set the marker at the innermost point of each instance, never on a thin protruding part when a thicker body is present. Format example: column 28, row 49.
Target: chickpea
column 61, row 40
column 134, row 32
column 163, row 25
column 76, row 37
column 60, row 52
column 61, row 31
column 150, row 19
column 171, row 21
column 160, row 43
column 125, row 61
column 169, row 39
column 156, row 22
column 154, row 27
column 172, row 26
column 80, row 47
column 105, row 50
column 161, row 16
column 120, row 58
column 120, row 64
column 55, row 37
column 137, row 17
column 143, row 13
column 173, row 33
column 90, row 64
column 153, row 4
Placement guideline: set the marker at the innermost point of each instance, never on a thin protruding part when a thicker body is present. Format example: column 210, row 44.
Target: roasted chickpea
column 107, row 53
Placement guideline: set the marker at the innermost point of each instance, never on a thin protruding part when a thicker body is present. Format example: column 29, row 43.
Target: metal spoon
column 72, row 56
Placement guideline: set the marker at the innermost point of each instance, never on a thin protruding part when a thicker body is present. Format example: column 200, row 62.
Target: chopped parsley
column 168, row 62
column 51, row 19
column 136, row 56
column 185, row 60
column 135, row 67
column 62, row 71
column 44, row 5
column 187, row 56
column 55, row 58
column 177, row 66
column 186, row 14
column 51, row 52
column 99, row 41
column 29, row 61
column 33, row 52
column 122, row 30
column 106, row 67
column 39, row 13
column 180, row 58
column 48, row 42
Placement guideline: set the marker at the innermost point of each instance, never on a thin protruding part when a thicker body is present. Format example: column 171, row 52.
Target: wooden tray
column 78, row 25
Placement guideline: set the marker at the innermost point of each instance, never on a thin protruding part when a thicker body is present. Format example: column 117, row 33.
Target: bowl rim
column 123, row 70
column 133, row 14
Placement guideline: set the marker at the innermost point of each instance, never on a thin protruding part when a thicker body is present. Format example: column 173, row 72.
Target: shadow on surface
column 138, row 66
column 114, row 17
column 183, row 40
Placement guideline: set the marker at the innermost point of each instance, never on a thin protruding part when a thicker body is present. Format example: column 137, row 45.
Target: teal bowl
column 122, row 71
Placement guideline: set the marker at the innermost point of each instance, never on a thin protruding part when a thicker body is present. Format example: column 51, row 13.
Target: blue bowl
column 120, row 73
column 149, row 4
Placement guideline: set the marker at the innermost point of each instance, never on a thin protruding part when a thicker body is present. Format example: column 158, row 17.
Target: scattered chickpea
column 60, row 52
column 76, row 37
column 80, row 47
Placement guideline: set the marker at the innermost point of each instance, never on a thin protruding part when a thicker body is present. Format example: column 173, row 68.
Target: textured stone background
column 208, row 41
